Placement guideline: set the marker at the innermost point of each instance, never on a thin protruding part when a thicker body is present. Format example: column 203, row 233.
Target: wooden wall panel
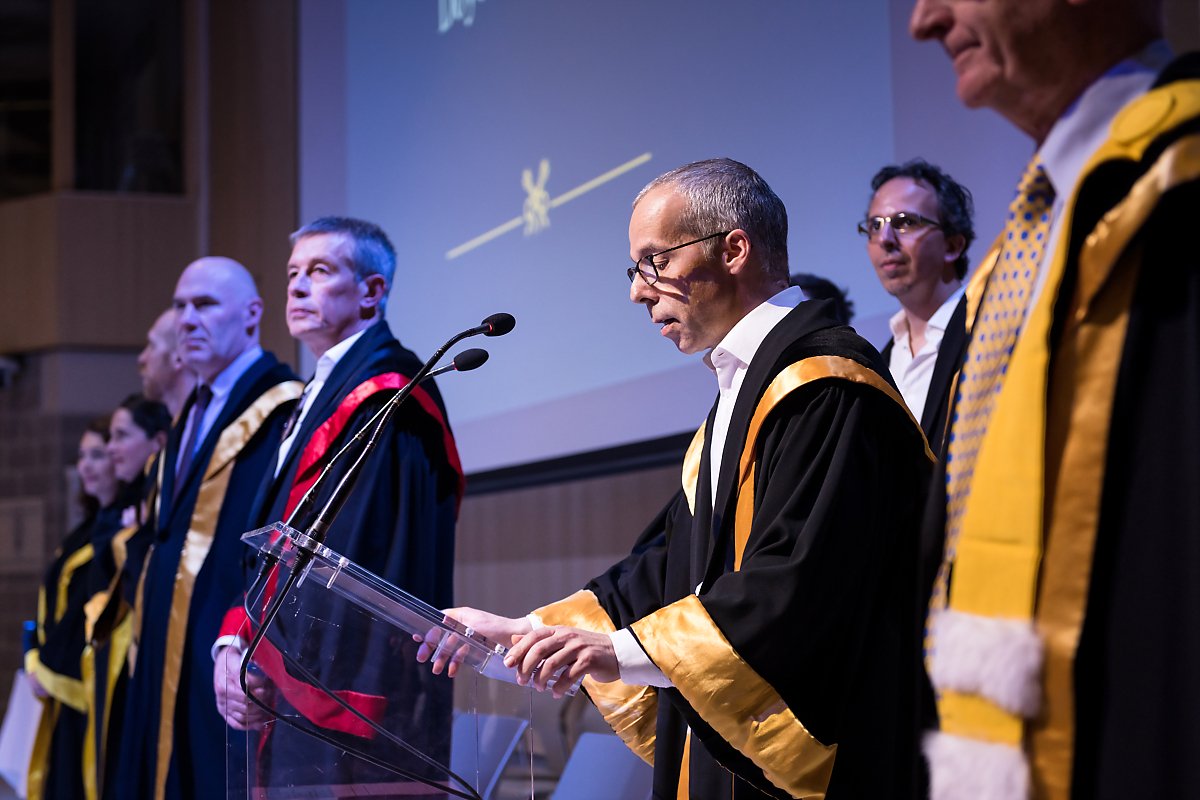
column 28, row 274
column 89, row 270
column 119, row 258
column 252, row 147
column 520, row 549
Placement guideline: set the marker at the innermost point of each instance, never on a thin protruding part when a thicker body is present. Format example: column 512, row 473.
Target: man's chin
column 299, row 326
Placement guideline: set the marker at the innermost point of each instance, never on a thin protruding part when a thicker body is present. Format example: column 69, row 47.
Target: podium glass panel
column 348, row 710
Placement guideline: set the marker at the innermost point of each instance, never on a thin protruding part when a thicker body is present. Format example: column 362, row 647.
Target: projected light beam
column 555, row 202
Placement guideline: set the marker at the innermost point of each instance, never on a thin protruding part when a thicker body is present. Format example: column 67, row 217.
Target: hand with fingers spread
column 568, row 653
column 448, row 657
column 239, row 711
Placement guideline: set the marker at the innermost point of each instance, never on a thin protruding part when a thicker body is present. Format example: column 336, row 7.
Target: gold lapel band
column 196, row 545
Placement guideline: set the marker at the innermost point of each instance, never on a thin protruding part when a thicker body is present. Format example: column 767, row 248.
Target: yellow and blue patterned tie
column 1001, row 313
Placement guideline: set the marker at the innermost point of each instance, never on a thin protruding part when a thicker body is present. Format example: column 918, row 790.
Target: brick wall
column 41, row 419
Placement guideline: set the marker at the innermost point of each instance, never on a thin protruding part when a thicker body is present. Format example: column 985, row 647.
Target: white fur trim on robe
column 967, row 769
column 1000, row 659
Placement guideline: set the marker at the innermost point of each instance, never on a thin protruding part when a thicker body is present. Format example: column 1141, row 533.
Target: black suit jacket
column 949, row 361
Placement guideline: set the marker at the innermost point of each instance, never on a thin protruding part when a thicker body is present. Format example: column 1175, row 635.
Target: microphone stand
column 495, row 325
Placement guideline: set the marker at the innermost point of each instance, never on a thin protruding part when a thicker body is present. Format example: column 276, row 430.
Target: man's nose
column 887, row 238
column 639, row 290
column 299, row 286
column 186, row 318
column 930, row 19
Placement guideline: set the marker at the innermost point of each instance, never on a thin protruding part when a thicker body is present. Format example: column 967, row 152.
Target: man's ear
column 955, row 245
column 374, row 288
column 735, row 251
column 254, row 311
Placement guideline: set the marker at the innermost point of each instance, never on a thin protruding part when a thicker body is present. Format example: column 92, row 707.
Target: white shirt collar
column 738, row 347
column 1084, row 127
column 333, row 355
column 938, row 322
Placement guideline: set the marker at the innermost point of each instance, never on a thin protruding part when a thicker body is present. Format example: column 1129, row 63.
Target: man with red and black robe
column 761, row 639
column 398, row 523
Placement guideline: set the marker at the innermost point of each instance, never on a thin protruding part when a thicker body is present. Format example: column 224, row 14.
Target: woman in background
column 53, row 667
column 138, row 434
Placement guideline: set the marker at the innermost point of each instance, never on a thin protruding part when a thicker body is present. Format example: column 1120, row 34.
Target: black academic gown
column 818, row 609
column 102, row 579
column 949, row 362
column 398, row 523
column 1137, row 702
column 198, row 746
column 58, row 751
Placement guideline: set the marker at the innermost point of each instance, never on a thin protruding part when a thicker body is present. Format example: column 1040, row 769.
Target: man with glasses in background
column 918, row 228
column 759, row 641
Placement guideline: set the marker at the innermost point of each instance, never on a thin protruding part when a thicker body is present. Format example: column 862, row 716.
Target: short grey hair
column 723, row 194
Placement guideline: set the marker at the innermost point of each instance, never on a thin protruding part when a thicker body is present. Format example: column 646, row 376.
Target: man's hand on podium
column 566, row 654
column 499, row 629
column 232, row 703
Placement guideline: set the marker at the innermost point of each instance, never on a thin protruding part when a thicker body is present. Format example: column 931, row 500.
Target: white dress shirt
column 325, row 365
column 914, row 371
column 1084, row 127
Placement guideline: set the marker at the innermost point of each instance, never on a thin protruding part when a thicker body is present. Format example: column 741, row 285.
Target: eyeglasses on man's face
column 900, row 222
column 648, row 266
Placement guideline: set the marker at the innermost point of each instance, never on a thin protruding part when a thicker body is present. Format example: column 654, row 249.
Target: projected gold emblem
column 535, row 213
column 537, row 200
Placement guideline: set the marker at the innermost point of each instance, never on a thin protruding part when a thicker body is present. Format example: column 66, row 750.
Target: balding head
column 218, row 313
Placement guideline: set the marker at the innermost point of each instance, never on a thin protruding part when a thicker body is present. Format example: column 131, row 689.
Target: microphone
column 465, row 361
column 499, row 324
column 495, row 325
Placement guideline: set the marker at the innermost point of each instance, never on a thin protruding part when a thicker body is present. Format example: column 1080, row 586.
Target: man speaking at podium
column 399, row 519
column 761, row 639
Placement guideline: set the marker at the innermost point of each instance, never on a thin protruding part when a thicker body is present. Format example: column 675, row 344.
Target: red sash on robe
column 305, row 698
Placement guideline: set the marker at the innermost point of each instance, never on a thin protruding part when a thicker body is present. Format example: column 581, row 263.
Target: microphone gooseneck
column 495, row 325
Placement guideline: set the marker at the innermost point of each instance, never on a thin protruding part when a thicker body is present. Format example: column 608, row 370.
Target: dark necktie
column 290, row 426
column 195, row 421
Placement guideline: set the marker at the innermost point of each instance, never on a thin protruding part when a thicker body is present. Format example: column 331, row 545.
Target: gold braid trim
column 739, row 705
column 788, row 380
column 195, row 550
column 631, row 711
column 39, row 759
column 74, row 561
column 88, row 668
column 120, row 545
column 66, row 690
column 691, row 467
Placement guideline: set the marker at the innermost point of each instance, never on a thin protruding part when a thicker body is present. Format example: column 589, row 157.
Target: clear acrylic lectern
column 347, row 711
